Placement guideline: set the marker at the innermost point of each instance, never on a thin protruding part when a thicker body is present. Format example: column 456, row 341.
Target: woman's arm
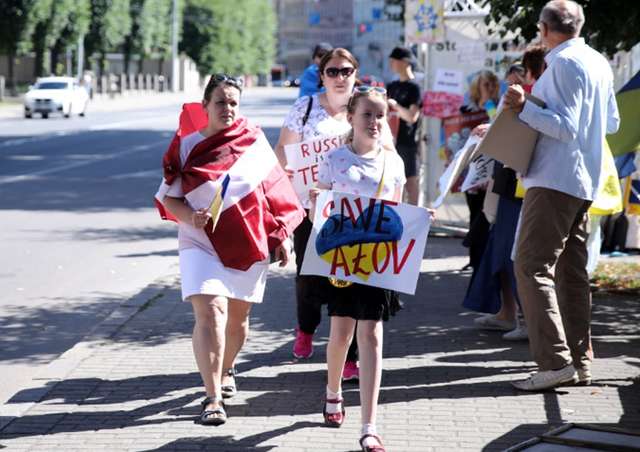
column 313, row 195
column 397, row 195
column 409, row 115
column 287, row 136
column 185, row 214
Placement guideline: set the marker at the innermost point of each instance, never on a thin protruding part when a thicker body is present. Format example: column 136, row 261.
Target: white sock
column 369, row 429
column 334, row 407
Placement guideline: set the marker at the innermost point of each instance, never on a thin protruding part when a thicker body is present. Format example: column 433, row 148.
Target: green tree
column 58, row 18
column 77, row 26
column 231, row 37
column 17, row 25
column 199, row 32
column 133, row 42
column 151, row 28
column 611, row 25
column 110, row 24
column 263, row 24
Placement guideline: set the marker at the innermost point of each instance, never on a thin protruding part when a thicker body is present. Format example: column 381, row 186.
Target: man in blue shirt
column 562, row 181
column 311, row 76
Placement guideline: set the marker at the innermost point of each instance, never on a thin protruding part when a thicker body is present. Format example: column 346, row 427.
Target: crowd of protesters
column 528, row 257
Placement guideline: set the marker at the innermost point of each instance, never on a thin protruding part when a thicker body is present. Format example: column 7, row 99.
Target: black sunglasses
column 224, row 78
column 332, row 72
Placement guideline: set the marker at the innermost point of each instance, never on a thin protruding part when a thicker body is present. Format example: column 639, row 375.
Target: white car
column 56, row 95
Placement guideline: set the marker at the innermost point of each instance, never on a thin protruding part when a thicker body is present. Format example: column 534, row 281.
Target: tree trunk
column 55, row 57
column 12, row 73
column 101, row 63
column 127, row 54
column 39, row 48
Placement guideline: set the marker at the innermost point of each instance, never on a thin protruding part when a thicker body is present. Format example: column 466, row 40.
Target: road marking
column 62, row 133
column 115, row 125
column 155, row 173
column 34, row 175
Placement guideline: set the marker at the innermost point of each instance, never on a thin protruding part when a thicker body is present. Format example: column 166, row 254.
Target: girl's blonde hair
column 474, row 89
column 353, row 104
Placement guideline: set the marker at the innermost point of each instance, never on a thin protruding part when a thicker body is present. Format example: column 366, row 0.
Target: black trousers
column 312, row 291
column 476, row 239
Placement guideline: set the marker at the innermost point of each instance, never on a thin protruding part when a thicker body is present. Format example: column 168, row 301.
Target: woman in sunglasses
column 320, row 115
column 361, row 167
column 217, row 168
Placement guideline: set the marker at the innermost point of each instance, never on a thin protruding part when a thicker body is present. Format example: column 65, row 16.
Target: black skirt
column 362, row 302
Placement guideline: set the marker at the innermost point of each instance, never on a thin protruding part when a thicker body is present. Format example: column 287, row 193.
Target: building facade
column 358, row 25
column 303, row 23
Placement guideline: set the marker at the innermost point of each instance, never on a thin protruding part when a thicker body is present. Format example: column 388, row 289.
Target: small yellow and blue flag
column 218, row 201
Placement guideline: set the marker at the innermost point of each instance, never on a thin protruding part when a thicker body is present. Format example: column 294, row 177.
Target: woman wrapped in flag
column 234, row 205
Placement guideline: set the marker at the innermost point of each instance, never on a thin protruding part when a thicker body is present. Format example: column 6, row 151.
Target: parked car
column 291, row 82
column 56, row 95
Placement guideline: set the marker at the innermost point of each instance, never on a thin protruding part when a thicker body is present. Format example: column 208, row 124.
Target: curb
column 56, row 371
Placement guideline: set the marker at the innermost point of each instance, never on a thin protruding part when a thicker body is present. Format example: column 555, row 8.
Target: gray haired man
column 562, row 181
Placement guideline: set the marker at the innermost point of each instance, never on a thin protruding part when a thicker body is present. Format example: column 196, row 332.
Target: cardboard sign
column 303, row 158
column 367, row 241
column 511, row 141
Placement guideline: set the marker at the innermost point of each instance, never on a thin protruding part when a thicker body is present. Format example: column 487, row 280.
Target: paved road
column 79, row 232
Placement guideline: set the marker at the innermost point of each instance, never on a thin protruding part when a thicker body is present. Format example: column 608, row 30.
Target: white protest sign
column 449, row 81
column 480, row 172
column 455, row 169
column 472, row 53
column 367, row 241
column 303, row 158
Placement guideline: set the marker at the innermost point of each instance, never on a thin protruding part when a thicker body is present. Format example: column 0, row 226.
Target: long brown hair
column 336, row 53
column 533, row 60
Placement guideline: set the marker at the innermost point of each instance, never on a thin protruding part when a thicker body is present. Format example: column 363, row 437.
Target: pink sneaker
column 350, row 371
column 303, row 346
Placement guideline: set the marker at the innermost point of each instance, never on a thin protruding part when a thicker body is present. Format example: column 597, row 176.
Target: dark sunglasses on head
column 332, row 72
column 224, row 78
column 365, row 89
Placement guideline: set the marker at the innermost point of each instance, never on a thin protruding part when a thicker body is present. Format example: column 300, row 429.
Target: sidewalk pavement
column 133, row 384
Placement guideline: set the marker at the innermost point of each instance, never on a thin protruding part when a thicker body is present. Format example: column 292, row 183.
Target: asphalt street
column 80, row 234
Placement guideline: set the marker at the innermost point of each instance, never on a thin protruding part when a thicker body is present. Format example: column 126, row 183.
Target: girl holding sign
column 322, row 115
column 362, row 167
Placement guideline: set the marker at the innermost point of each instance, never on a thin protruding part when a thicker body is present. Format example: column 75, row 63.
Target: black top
column 406, row 93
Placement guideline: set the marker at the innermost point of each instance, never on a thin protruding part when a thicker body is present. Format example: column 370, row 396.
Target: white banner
column 367, row 241
column 303, row 158
column 424, row 21
column 449, row 81
column 455, row 169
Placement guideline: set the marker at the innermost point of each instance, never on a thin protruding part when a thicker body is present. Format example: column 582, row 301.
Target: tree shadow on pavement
column 229, row 443
column 33, row 335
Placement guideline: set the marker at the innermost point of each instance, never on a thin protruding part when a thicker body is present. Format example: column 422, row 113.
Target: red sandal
column 333, row 419
column 379, row 448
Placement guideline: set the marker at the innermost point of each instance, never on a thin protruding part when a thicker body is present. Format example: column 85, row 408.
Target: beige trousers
column 553, row 284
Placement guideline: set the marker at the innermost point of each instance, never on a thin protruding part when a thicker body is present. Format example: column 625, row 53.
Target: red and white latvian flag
column 260, row 208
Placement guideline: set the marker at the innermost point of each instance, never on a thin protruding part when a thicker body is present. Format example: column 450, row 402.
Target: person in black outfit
column 405, row 99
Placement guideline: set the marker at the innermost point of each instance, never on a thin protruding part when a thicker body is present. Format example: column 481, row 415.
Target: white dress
column 202, row 272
